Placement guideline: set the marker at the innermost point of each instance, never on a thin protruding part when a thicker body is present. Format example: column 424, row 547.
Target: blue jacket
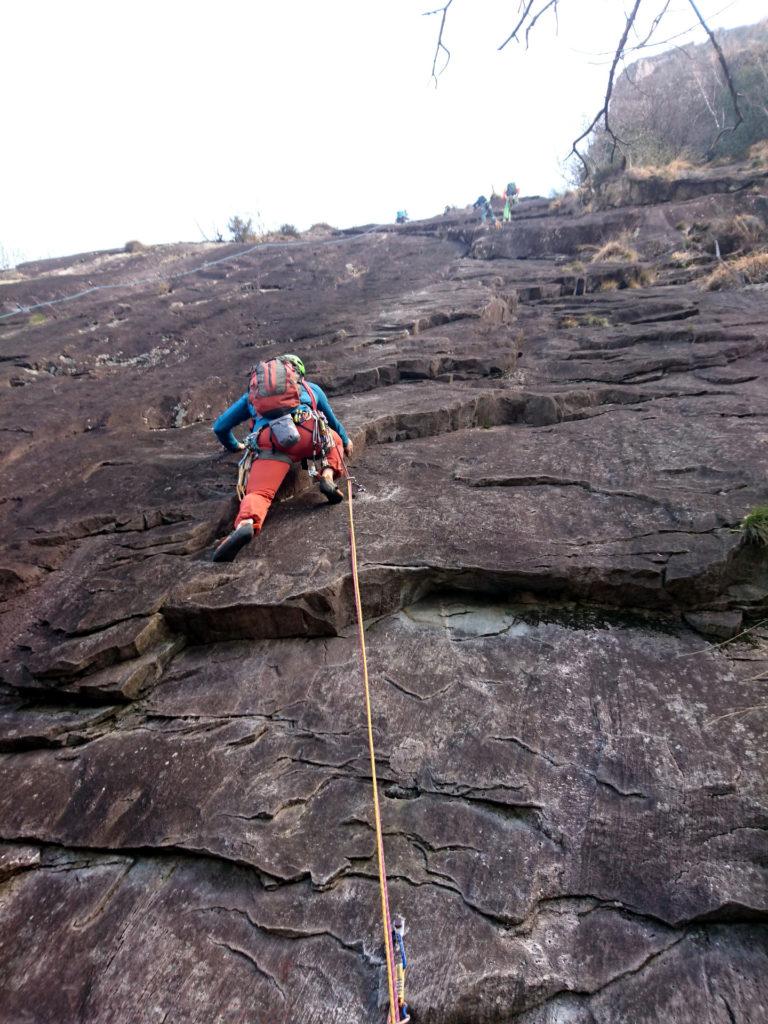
column 241, row 411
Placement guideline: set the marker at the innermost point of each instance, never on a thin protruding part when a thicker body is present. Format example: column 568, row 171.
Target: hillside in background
column 675, row 106
column 559, row 427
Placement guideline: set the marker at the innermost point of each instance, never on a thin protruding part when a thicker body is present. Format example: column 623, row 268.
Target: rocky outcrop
column 552, row 460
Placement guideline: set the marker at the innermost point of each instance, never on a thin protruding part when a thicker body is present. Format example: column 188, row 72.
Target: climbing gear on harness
column 331, row 491
column 322, row 438
column 284, row 430
column 228, row 549
column 401, row 965
column 394, row 1016
column 252, row 451
column 274, row 388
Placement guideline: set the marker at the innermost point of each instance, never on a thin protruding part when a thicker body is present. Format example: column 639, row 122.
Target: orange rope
column 394, row 1015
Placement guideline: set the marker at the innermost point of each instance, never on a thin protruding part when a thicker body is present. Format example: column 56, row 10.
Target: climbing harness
column 322, row 441
column 253, row 452
column 393, row 931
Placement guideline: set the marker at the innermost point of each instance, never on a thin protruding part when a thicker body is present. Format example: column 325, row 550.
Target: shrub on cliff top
column 672, row 108
column 241, row 230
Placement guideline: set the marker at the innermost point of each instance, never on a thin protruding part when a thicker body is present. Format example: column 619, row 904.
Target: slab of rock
column 15, row 858
column 552, row 459
column 121, row 642
column 719, row 624
column 23, row 727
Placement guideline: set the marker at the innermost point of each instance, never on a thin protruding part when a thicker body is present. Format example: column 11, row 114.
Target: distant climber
column 402, row 217
column 292, row 422
column 512, row 194
column 507, row 214
column 486, row 210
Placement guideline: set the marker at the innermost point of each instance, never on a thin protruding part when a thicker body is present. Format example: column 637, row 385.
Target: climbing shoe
column 228, row 549
column 331, row 491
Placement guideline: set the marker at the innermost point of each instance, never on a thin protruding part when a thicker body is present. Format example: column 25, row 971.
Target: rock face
column 552, row 461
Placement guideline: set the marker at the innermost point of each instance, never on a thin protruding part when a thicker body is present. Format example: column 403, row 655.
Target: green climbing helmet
column 289, row 358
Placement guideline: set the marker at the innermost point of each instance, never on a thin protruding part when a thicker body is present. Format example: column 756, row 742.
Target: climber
column 486, row 210
column 402, row 217
column 512, row 194
column 292, row 422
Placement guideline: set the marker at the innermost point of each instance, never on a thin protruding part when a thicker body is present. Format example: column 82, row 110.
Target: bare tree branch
column 519, row 25
column 531, row 11
column 440, row 44
column 544, row 9
column 727, row 73
column 654, row 25
column 603, row 112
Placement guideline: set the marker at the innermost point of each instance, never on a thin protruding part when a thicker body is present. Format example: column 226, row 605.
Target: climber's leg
column 334, row 470
column 263, row 484
column 229, row 548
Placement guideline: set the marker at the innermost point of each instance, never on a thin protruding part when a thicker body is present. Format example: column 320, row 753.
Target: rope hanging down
column 398, row 1011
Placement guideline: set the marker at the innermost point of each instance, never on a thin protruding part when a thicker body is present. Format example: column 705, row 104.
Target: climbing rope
column 398, row 1011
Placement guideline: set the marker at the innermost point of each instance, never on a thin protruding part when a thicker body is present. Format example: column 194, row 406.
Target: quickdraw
column 401, row 965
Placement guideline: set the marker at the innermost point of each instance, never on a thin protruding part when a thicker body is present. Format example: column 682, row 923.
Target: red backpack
column 274, row 388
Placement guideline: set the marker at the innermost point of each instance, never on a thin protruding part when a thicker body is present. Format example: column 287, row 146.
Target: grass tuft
column 617, row 250
column 667, row 172
column 758, row 154
column 586, row 320
column 754, row 526
column 681, row 258
column 593, row 320
column 749, row 269
column 575, row 267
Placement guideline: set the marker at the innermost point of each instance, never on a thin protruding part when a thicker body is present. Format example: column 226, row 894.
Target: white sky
column 143, row 120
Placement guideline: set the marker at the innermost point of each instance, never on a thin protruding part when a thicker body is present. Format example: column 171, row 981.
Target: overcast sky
column 145, row 120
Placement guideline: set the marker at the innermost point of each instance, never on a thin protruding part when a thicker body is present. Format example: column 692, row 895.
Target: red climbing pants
column 266, row 475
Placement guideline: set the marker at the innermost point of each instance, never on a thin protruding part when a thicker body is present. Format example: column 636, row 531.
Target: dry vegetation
column 675, row 169
column 644, row 279
column 748, row 229
column 681, row 108
column 751, row 268
column 681, row 258
column 575, row 267
column 585, row 320
column 617, row 250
